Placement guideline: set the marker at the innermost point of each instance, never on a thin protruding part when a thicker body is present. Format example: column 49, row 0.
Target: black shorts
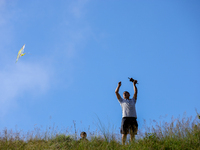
column 128, row 125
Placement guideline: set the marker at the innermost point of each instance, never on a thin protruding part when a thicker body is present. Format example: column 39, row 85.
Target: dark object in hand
column 131, row 80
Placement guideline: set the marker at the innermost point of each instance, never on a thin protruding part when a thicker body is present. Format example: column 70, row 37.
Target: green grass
column 179, row 134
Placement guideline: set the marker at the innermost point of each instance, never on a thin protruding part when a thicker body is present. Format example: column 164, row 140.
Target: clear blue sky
column 80, row 49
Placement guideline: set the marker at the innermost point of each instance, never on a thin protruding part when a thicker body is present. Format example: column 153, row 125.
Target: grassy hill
column 179, row 134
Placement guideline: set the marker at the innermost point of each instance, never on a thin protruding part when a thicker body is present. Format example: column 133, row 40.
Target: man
column 83, row 136
column 129, row 123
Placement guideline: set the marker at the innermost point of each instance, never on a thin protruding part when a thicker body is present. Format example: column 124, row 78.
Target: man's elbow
column 135, row 96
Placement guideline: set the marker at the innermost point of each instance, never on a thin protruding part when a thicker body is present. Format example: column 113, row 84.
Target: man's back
column 128, row 107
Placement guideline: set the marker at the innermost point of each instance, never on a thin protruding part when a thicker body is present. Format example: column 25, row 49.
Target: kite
column 197, row 114
column 20, row 53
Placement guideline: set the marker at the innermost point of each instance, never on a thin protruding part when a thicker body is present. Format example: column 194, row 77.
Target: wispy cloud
column 35, row 77
column 75, row 28
column 5, row 30
column 2, row 8
column 20, row 78
column 77, row 8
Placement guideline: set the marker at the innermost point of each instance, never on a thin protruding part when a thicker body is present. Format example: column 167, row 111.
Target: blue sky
column 78, row 52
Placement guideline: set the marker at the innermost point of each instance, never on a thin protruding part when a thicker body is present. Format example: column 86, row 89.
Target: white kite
column 197, row 113
column 20, row 53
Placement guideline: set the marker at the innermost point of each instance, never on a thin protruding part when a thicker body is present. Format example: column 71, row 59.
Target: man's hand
column 135, row 82
column 117, row 90
column 135, row 89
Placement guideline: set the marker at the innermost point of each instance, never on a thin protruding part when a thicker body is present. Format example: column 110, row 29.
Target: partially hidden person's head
column 83, row 134
column 126, row 95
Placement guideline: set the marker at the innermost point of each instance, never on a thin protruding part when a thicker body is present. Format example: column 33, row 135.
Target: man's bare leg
column 124, row 136
column 133, row 135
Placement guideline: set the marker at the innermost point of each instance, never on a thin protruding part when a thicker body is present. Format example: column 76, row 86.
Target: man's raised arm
column 117, row 91
column 135, row 89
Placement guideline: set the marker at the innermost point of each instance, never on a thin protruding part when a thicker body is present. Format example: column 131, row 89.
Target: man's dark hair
column 83, row 134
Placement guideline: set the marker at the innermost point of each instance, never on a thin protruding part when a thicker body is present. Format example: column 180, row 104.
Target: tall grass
column 178, row 134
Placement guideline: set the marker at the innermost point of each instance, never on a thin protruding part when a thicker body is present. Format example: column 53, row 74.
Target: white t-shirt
column 128, row 107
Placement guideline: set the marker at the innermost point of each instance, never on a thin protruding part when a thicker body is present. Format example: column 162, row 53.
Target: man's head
column 126, row 95
column 83, row 135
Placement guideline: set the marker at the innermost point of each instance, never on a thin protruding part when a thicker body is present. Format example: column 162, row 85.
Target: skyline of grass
column 180, row 133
